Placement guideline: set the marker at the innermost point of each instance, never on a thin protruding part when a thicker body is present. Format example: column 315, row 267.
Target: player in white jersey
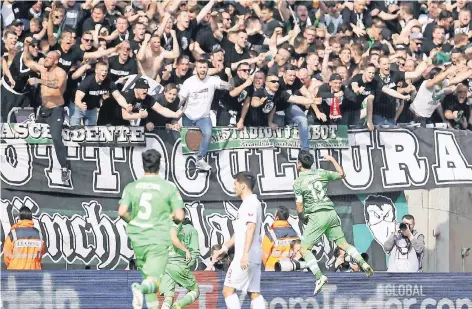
column 244, row 273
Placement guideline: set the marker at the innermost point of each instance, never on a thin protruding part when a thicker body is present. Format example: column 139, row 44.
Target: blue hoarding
column 89, row 289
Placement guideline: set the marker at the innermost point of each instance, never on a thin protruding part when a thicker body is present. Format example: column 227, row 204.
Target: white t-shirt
column 250, row 211
column 424, row 105
column 199, row 94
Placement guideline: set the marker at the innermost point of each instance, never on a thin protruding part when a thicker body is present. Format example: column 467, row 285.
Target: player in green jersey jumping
column 316, row 210
column 147, row 205
column 182, row 256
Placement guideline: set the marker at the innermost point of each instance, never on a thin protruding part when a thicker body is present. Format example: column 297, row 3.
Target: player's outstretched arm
column 176, row 243
column 338, row 167
column 123, row 213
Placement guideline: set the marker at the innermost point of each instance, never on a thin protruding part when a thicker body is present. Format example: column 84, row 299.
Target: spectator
column 141, row 104
column 168, row 98
column 16, row 91
column 23, row 248
column 90, row 95
column 456, row 109
column 218, row 263
column 277, row 240
column 405, row 246
column 197, row 95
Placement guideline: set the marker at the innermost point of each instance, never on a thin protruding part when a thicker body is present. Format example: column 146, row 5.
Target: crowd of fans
column 288, row 62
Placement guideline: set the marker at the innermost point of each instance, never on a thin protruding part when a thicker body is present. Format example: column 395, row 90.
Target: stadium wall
column 90, row 289
column 444, row 216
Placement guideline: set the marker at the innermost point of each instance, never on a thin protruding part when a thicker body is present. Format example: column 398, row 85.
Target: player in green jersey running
column 182, row 256
column 147, row 206
column 316, row 210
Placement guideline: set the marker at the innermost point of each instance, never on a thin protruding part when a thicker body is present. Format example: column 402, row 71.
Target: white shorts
column 248, row 280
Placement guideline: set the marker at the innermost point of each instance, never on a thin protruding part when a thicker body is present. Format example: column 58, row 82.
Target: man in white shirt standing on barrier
column 197, row 94
column 244, row 273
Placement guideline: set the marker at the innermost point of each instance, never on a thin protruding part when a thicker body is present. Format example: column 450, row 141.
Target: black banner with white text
column 379, row 161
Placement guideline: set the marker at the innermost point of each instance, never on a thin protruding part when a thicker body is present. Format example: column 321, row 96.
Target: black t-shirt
column 89, row 25
column 351, row 17
column 206, row 39
column 236, row 103
column 328, row 98
column 157, row 119
column 69, row 59
column 135, row 46
column 167, row 42
column 258, row 116
column 121, row 37
column 118, row 70
column 290, row 89
column 177, row 80
column 94, row 92
column 221, row 97
column 232, row 56
column 451, row 103
column 385, row 105
column 21, row 73
column 369, row 88
column 185, row 37
column 429, row 45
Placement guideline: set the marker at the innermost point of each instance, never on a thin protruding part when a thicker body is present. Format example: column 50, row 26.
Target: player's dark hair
column 282, row 213
column 25, row 213
column 306, row 159
column 246, row 178
column 408, row 217
column 151, row 161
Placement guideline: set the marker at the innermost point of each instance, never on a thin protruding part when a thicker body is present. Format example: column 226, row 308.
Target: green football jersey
column 151, row 201
column 311, row 188
column 188, row 236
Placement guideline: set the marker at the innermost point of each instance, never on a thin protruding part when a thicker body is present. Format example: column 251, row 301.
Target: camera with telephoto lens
column 402, row 227
column 290, row 265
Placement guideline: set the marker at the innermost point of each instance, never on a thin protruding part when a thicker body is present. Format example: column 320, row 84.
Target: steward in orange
column 276, row 242
column 23, row 248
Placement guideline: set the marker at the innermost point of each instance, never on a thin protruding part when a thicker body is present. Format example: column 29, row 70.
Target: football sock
column 232, row 302
column 189, row 298
column 258, row 302
column 312, row 264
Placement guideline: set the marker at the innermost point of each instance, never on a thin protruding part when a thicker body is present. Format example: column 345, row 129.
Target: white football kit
column 249, row 279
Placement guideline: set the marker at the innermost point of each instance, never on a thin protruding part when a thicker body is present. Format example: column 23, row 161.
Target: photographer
column 345, row 263
column 405, row 247
column 277, row 240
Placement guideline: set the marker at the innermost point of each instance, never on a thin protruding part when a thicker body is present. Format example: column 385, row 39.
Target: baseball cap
column 416, row 36
column 335, row 76
column 217, row 49
column 142, row 84
column 17, row 22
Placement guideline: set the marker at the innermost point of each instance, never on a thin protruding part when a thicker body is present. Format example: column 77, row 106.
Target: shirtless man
column 53, row 84
column 151, row 53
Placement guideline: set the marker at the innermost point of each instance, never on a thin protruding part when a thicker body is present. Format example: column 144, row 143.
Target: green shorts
column 177, row 274
column 324, row 221
column 152, row 260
